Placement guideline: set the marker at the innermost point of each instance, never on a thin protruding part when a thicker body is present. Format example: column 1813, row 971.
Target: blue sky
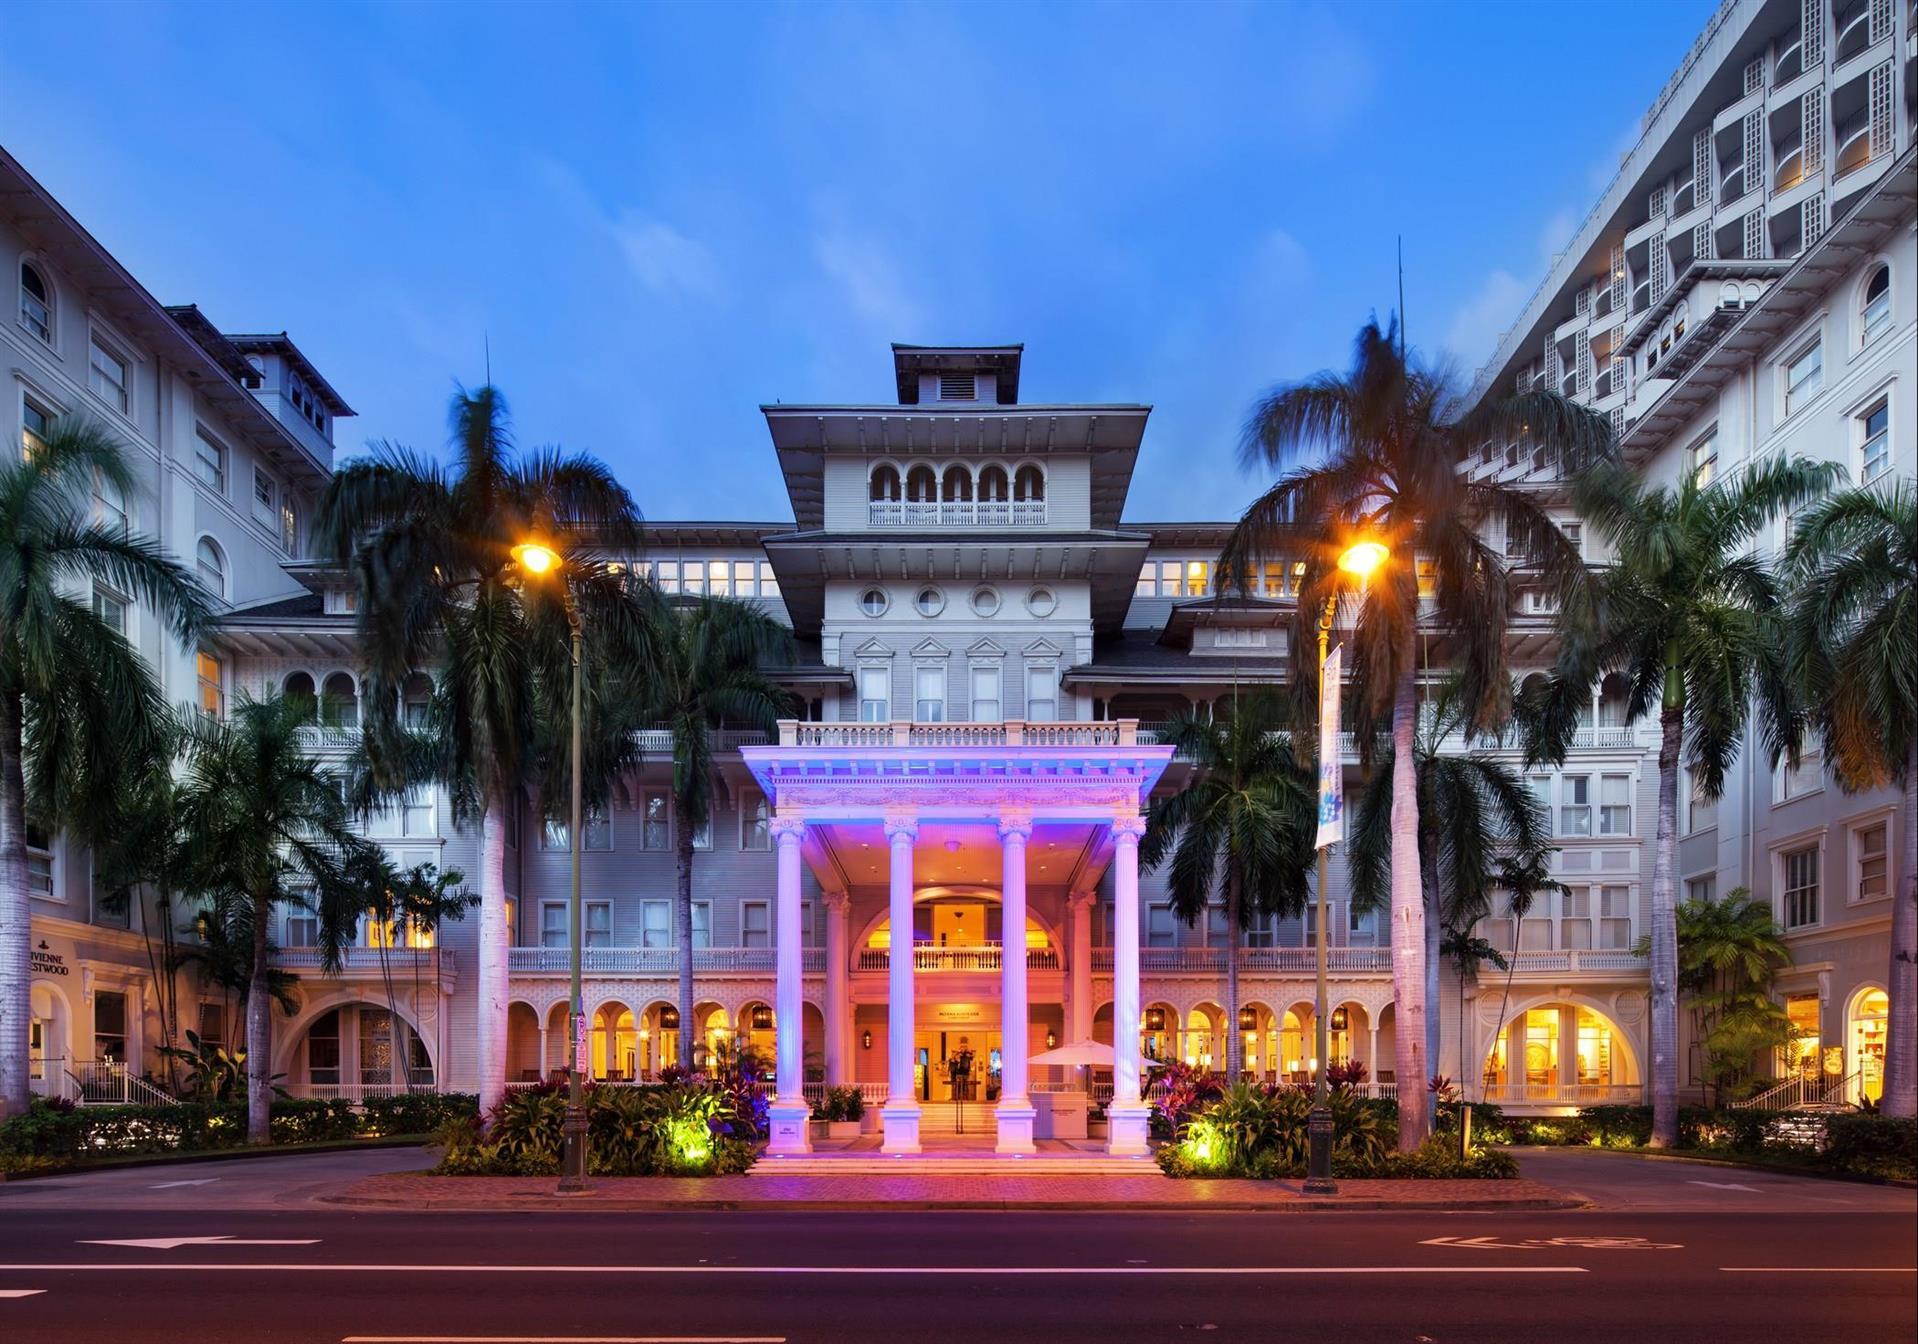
column 662, row 216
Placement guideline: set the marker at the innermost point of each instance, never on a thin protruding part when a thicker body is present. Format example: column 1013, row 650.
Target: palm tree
column 275, row 831
column 1240, row 832
column 704, row 674
column 1853, row 631
column 1728, row 952
column 1475, row 813
column 432, row 552
column 1691, row 618
column 78, row 705
column 1384, row 452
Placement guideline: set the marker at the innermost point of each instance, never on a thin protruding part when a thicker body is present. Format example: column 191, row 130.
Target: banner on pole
column 580, row 1040
column 1331, row 771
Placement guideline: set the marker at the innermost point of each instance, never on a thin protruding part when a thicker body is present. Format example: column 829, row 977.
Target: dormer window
column 958, row 387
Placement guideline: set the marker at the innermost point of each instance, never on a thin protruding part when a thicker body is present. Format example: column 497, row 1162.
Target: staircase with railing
column 1803, row 1092
column 104, row 1082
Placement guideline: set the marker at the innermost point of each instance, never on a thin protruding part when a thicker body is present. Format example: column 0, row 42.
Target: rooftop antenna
column 486, row 339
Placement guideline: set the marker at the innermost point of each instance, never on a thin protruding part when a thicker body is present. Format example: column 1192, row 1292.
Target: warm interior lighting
column 1362, row 557
column 536, row 557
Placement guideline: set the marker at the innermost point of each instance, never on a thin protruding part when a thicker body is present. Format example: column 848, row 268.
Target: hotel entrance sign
column 1331, row 776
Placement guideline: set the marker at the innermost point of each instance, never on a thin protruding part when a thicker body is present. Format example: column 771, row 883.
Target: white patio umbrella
column 1085, row 1054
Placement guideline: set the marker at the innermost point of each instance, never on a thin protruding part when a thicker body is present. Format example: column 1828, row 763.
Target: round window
column 1042, row 602
column 985, row 601
column 929, row 601
column 873, row 602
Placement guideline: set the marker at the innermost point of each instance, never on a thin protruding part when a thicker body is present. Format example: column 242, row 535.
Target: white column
column 1080, row 1027
column 838, row 1004
column 1015, row 1112
column 900, row 1118
column 1126, row 1117
column 790, row 1118
column 1372, row 1055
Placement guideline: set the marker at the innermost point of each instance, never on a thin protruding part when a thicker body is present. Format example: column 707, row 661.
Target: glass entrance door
column 958, row 1065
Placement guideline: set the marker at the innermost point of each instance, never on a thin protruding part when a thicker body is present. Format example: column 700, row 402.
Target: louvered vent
column 958, row 387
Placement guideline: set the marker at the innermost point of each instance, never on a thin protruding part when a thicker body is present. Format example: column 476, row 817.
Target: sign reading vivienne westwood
column 48, row 963
column 1331, row 772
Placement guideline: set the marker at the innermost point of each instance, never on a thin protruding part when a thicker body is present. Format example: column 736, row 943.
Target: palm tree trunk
column 16, row 918
column 1408, row 922
column 259, row 1034
column 1234, row 1042
column 683, row 931
column 1901, row 1034
column 1671, row 722
column 494, row 940
column 1428, row 875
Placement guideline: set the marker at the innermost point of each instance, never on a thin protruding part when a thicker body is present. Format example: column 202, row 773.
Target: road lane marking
column 850, row 1271
column 1725, row 1185
column 21, row 1292
column 1555, row 1244
column 175, row 1185
column 1817, row 1269
column 563, row 1339
column 175, row 1243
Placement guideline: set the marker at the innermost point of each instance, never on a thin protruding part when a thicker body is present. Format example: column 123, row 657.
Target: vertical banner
column 579, row 1043
column 1331, row 769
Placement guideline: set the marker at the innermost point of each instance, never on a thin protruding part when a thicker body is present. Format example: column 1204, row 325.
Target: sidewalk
column 930, row 1191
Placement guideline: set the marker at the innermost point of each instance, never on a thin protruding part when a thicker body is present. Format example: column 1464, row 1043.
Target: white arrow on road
column 21, row 1292
column 1725, row 1185
column 174, row 1243
column 175, row 1185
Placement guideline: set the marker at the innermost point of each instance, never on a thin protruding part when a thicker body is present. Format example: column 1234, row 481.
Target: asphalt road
column 1680, row 1251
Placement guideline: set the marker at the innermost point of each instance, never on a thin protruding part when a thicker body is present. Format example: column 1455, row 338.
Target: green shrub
column 1873, row 1145
column 414, row 1112
column 1437, row 1159
column 683, row 1128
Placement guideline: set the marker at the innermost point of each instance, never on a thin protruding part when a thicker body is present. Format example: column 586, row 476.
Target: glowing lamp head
column 536, row 557
column 1362, row 557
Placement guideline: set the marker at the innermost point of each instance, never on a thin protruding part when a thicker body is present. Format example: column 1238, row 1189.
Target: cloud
column 871, row 282
column 1476, row 326
column 666, row 260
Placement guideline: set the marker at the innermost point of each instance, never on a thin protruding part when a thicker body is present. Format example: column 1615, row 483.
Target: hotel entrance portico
column 881, row 813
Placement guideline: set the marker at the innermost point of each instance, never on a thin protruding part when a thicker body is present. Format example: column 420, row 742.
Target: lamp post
column 1360, row 559
column 539, row 560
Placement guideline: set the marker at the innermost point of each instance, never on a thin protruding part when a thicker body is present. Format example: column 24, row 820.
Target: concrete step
column 953, row 1164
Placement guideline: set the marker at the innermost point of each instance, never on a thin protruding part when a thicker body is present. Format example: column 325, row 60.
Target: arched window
column 957, row 485
column 36, row 302
column 993, row 485
column 921, row 486
column 298, row 687
column 1876, row 318
column 883, row 487
column 1614, row 700
column 212, row 562
column 1028, row 485
column 340, row 702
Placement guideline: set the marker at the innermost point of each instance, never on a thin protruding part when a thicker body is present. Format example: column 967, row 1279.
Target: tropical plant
column 79, row 708
column 211, row 1072
column 1475, row 814
column 1238, row 834
column 274, row 831
column 1384, row 452
column 1853, row 639
column 218, row 949
column 704, row 663
column 432, row 552
column 1691, row 617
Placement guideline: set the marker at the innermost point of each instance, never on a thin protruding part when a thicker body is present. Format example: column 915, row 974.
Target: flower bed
column 690, row 1126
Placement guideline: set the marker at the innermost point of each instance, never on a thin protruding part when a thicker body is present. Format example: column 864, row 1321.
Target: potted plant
column 838, row 1113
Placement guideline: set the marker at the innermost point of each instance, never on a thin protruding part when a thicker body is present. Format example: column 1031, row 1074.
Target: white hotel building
column 986, row 642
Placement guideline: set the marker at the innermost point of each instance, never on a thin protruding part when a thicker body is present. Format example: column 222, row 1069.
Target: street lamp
column 538, row 560
column 1359, row 559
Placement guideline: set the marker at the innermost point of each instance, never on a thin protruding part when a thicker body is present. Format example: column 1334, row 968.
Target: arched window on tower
column 883, row 487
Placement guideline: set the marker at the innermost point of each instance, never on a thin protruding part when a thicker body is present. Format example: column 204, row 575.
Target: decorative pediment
column 873, row 648
column 1042, row 648
column 930, row 648
column 984, row 647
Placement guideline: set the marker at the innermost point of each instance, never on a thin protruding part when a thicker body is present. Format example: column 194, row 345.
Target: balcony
column 1586, row 960
column 1286, row 960
column 1563, row 1094
column 956, row 513
column 362, row 961
column 988, row 956
column 656, row 960
column 1011, row 733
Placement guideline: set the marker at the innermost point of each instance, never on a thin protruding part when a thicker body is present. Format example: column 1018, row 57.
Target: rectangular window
column 552, row 924
column 1615, row 805
column 1148, row 585
column 1871, row 863
column 719, row 578
column 755, row 927
column 1615, row 918
column 266, row 498
column 755, row 822
column 1575, row 918
column 39, row 862
column 667, row 576
column 1261, row 931
column 209, row 460
column 1801, row 888
column 703, row 833
column 1042, row 693
column 1795, row 781
column 1701, row 811
column 875, row 694
column 692, row 576
column 1361, row 928
column 302, row 931
column 655, row 813
column 289, row 524
column 1575, row 805
column 213, row 1024
column 1703, row 457
column 768, row 581
column 655, row 924
column 1159, row 927
column 1171, row 578
column 111, row 608
column 597, row 835
column 109, row 505
column 1804, row 376
column 108, row 376
column 1198, row 575
column 985, row 693
column 1540, row 787
column 1875, row 446
column 36, row 422
column 1701, row 890
column 212, row 677
column 599, row 924
column 929, row 693
column 702, row 924
column 109, row 1024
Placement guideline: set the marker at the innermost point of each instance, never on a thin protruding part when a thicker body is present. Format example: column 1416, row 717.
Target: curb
column 239, row 1154
column 554, row 1204
column 1713, row 1160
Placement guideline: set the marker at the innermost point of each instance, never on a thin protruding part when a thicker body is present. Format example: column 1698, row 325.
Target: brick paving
column 936, row 1191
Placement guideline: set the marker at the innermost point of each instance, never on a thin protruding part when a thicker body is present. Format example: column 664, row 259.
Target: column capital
column 1082, row 900
column 838, row 902
column 788, row 829
column 1130, row 827
column 902, row 823
column 1015, row 822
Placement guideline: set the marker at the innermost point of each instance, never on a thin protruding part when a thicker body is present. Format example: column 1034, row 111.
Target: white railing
column 1800, row 1090
column 972, row 957
column 106, row 1082
column 1578, row 959
column 358, row 1092
column 1010, row 733
column 1211, row 960
column 956, row 513
column 1563, row 1094
column 360, row 960
column 48, row 1077
column 656, row 960
column 659, row 741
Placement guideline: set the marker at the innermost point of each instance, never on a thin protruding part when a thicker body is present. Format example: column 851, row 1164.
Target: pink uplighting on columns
column 900, row 1118
column 1126, row 1116
column 838, row 1001
column 789, row 1116
column 1015, row 1113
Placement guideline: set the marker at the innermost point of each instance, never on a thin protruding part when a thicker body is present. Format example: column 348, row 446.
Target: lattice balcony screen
column 1812, row 122
column 1879, row 27
column 1755, row 75
column 1620, row 289
column 1583, row 386
column 1812, row 34
column 1755, row 150
column 1703, row 168
column 1755, row 235
column 1879, row 100
column 1812, row 223
column 1582, row 302
column 1618, row 422
column 1661, row 267
column 1702, row 240
column 1657, row 204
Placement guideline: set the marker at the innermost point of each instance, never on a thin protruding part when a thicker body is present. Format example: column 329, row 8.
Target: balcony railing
column 1563, row 1094
column 1298, row 960
column 359, row 960
column 1578, row 959
column 1012, row 732
column 361, row 1091
column 956, row 513
column 973, row 957
column 656, row 960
